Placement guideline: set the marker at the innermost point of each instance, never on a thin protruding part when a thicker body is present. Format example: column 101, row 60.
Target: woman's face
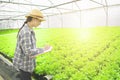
column 36, row 22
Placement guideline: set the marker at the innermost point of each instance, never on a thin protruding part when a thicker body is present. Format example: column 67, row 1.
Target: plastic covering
column 61, row 13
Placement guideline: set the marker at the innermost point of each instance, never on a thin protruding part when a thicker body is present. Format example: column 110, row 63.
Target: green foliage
column 7, row 31
column 78, row 54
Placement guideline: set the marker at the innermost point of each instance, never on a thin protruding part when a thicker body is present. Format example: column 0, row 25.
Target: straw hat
column 35, row 13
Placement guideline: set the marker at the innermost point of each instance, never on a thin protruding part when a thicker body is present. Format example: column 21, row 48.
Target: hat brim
column 40, row 18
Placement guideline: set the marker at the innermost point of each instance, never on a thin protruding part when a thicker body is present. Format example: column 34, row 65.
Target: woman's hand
column 47, row 48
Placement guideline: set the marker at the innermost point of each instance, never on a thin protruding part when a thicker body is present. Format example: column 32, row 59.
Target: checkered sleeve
column 26, row 44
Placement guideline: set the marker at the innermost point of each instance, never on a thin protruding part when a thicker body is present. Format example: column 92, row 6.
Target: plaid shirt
column 26, row 46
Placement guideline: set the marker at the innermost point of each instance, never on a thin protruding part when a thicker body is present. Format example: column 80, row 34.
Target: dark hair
column 27, row 20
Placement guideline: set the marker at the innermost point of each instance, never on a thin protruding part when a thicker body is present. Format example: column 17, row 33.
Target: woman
column 26, row 51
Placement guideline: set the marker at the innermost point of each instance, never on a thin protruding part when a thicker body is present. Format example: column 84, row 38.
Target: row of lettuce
column 78, row 54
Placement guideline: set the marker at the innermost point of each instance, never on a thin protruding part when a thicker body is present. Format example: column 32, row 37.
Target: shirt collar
column 29, row 28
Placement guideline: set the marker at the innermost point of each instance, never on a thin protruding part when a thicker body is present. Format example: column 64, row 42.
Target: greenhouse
column 83, row 37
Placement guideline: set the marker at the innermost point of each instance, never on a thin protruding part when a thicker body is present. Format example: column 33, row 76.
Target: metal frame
column 22, row 3
column 36, row 5
column 68, row 12
column 105, row 6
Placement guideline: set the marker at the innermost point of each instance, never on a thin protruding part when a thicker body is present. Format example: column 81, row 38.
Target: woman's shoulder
column 24, row 31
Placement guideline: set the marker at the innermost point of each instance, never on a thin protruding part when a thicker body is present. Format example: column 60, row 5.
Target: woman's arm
column 26, row 45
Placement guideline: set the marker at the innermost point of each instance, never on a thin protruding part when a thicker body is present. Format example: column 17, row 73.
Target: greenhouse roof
column 17, row 9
